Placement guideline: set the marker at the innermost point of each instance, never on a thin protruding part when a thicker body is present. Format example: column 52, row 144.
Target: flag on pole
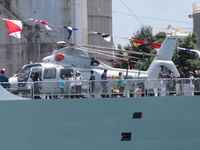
column 69, row 29
column 106, row 37
column 190, row 50
column 154, row 45
column 14, row 27
column 46, row 24
column 137, row 42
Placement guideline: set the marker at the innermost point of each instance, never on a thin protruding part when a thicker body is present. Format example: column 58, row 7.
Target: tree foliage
column 187, row 60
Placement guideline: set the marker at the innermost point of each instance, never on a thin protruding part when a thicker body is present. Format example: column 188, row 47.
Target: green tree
column 184, row 59
column 160, row 37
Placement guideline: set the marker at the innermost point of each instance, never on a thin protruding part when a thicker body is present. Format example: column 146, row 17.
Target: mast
column 80, row 21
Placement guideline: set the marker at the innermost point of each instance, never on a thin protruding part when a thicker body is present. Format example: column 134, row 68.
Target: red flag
column 42, row 22
column 155, row 45
column 14, row 27
column 137, row 42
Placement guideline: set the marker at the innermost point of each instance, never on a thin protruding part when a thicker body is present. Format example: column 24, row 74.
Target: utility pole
column 38, row 47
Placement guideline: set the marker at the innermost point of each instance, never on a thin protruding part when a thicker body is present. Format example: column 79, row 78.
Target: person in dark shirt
column 37, row 85
column 4, row 79
column 92, row 83
column 170, row 83
column 104, row 83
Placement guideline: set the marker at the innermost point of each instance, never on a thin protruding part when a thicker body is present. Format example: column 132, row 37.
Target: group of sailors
column 173, row 85
column 77, row 81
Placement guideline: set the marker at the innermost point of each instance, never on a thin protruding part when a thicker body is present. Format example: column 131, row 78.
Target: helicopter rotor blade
column 108, row 53
column 116, row 50
column 99, row 53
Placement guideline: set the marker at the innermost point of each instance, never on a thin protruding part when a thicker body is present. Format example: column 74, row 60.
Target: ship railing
column 107, row 88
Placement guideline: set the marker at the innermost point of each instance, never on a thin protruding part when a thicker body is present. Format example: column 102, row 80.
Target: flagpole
column 38, row 44
column 73, row 19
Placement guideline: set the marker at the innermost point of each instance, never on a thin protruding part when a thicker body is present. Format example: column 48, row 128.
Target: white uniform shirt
column 78, row 80
column 71, row 81
column 191, row 81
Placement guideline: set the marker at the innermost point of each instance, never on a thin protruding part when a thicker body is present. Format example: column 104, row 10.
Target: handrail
column 109, row 88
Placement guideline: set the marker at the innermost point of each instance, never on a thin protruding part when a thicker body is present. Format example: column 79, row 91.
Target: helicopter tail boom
column 164, row 58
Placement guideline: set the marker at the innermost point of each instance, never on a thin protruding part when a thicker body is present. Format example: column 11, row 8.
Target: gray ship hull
column 166, row 123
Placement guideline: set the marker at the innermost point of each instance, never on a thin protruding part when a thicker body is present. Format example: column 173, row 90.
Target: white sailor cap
column 61, row 42
column 190, row 72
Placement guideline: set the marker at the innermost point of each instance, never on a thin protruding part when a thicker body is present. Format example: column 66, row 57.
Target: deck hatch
column 137, row 115
column 126, row 136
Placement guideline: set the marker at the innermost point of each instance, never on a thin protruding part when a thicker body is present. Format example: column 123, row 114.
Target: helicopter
column 68, row 60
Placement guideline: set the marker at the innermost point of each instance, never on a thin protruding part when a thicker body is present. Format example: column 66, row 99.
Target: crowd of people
column 75, row 81
column 170, row 86
column 174, row 85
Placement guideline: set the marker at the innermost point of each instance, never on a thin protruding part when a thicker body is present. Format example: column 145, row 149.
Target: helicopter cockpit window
column 49, row 73
column 25, row 71
column 66, row 72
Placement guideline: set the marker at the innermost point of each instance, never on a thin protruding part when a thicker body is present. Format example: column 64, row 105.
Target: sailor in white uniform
column 191, row 83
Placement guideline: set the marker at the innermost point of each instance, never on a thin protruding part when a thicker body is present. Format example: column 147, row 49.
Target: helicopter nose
column 13, row 82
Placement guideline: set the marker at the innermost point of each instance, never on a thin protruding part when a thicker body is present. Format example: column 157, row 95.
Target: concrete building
column 36, row 42
column 196, row 21
column 171, row 30
column 99, row 19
